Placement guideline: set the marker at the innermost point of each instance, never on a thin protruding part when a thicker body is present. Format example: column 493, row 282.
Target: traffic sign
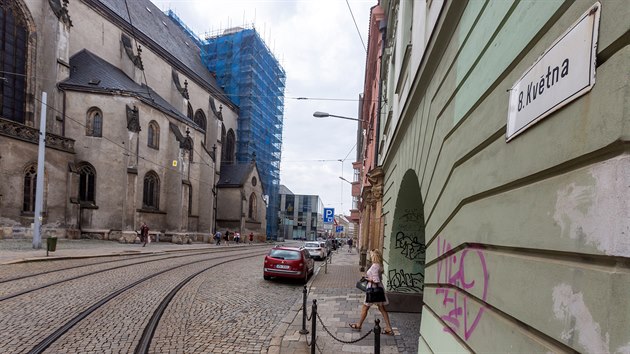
column 339, row 228
column 329, row 215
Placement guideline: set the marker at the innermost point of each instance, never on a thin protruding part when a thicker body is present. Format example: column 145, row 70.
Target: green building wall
column 528, row 241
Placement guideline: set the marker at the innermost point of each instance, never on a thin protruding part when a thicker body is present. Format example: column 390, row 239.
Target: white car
column 316, row 249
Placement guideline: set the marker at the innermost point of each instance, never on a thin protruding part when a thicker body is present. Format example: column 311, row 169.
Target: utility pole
column 39, row 193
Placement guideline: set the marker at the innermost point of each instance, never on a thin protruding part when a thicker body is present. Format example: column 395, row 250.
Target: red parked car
column 288, row 262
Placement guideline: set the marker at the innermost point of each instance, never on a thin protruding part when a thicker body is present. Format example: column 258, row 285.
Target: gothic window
column 87, row 183
column 200, row 119
column 13, row 47
column 254, row 181
column 30, row 186
column 190, row 111
column 253, row 210
column 190, row 200
column 229, row 147
column 223, row 134
column 94, row 122
column 154, row 135
column 151, row 195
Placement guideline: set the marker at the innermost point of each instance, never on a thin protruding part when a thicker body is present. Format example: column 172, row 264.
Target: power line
column 356, row 26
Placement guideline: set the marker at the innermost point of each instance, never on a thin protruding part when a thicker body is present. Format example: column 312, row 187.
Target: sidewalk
column 18, row 250
column 338, row 304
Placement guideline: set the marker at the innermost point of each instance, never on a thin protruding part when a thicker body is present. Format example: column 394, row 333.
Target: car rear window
column 284, row 254
column 311, row 244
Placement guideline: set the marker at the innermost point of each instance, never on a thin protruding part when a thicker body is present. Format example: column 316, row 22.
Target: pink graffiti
column 451, row 271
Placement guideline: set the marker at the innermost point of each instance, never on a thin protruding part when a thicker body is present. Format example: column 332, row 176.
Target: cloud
column 317, row 44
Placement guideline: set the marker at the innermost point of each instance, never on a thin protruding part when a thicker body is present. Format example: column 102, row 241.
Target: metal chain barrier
column 340, row 340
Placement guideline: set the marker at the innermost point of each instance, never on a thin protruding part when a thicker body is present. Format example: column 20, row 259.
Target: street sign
column 329, row 215
column 561, row 74
column 339, row 228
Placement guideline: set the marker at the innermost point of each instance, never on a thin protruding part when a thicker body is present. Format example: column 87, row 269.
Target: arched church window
column 200, row 119
column 253, row 206
column 151, row 191
column 94, row 122
column 189, row 114
column 230, row 145
column 87, row 183
column 154, row 135
column 13, row 46
column 30, row 188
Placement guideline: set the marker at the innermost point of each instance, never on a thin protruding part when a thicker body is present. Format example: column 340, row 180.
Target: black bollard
column 304, row 330
column 314, row 326
column 377, row 337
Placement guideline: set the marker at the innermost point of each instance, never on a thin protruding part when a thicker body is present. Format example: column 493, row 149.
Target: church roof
column 161, row 34
column 235, row 176
column 90, row 73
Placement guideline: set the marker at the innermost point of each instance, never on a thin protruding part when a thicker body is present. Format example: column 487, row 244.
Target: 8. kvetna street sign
column 564, row 72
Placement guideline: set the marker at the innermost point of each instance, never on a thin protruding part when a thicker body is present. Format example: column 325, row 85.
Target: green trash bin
column 51, row 244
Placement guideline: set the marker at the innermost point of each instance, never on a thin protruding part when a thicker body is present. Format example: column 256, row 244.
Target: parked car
column 317, row 249
column 288, row 262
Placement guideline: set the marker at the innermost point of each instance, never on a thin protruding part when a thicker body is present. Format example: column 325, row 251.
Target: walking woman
column 373, row 276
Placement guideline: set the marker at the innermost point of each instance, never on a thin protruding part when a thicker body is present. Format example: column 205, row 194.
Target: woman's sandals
column 355, row 326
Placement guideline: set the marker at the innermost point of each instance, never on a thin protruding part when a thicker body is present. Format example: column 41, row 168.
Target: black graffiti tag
column 405, row 282
column 411, row 248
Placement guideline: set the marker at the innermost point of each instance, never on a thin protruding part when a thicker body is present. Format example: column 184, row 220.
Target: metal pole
column 39, row 193
column 377, row 337
column 313, row 326
column 304, row 330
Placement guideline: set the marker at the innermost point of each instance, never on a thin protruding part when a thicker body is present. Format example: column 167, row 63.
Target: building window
column 151, row 195
column 94, row 123
column 229, row 147
column 357, row 175
column 252, row 207
column 154, row 135
column 87, row 183
column 254, row 181
column 200, row 119
column 190, row 111
column 30, row 186
column 13, row 42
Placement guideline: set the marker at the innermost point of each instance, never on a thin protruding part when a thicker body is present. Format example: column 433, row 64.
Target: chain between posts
column 341, row 340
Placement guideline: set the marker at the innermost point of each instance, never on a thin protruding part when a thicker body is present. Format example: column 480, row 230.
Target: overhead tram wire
column 355, row 25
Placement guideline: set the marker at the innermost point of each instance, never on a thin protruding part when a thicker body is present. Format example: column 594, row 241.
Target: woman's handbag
column 362, row 284
column 375, row 294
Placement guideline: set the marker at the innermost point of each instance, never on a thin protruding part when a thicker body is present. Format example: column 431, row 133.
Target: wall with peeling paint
column 527, row 242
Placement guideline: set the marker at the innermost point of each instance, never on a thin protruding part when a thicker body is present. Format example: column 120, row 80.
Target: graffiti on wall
column 452, row 271
column 400, row 281
column 410, row 247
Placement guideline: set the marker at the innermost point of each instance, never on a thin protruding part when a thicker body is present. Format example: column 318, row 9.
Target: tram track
column 30, row 290
column 149, row 330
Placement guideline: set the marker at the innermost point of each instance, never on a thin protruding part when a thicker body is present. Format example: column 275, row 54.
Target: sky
column 319, row 47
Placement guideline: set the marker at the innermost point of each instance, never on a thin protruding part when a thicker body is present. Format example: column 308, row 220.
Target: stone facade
column 156, row 91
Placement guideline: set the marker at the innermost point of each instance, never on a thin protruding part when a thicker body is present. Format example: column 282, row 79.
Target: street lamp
column 343, row 179
column 325, row 115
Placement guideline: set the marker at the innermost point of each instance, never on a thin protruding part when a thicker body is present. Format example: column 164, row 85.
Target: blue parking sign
column 339, row 228
column 329, row 215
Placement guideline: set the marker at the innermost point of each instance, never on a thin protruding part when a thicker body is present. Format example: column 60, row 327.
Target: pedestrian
column 226, row 237
column 349, row 245
column 251, row 237
column 217, row 237
column 373, row 276
column 144, row 233
column 237, row 237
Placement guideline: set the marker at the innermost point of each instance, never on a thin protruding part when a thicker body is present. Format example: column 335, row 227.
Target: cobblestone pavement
column 231, row 309
column 339, row 303
column 28, row 319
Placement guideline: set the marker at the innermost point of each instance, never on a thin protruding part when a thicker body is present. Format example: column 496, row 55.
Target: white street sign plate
column 564, row 72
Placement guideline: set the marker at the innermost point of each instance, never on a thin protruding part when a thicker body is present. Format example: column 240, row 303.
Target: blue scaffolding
column 254, row 80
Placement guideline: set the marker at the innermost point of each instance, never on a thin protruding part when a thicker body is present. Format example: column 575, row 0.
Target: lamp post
column 319, row 114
